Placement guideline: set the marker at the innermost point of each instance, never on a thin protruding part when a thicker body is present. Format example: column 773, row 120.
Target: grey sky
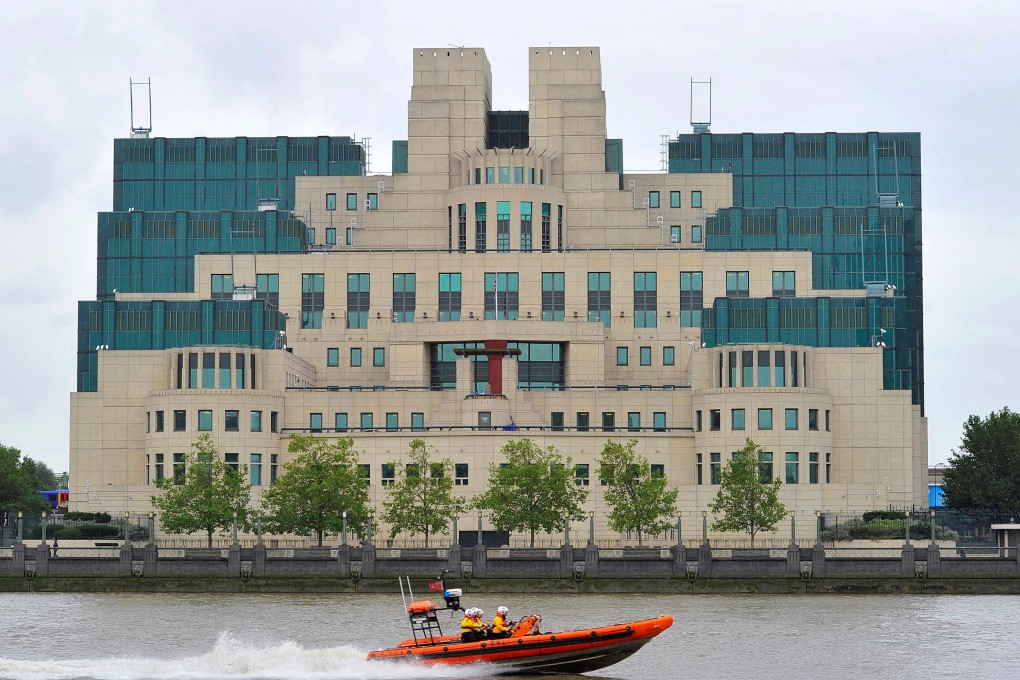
column 948, row 70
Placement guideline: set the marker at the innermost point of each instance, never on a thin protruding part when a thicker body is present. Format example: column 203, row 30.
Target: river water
column 292, row 637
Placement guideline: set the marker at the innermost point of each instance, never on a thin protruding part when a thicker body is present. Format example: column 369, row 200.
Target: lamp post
column 931, row 523
column 906, row 526
column 44, row 527
column 344, row 535
column 566, row 531
column 480, row 541
column 233, row 529
column 818, row 526
column 127, row 527
column 152, row 528
column 679, row 526
column 704, row 526
column 793, row 526
column 591, row 527
column 21, row 526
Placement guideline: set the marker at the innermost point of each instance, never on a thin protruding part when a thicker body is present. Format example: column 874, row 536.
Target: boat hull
column 575, row 651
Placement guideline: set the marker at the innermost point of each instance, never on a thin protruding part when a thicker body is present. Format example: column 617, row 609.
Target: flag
column 435, row 585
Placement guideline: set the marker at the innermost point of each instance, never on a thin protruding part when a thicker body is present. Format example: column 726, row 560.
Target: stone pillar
column 343, row 561
column 679, row 561
column 42, row 559
column 591, row 560
column 453, row 559
column 704, row 560
column 478, row 561
column 818, row 561
column 566, row 561
column 793, row 559
column 367, row 559
column 907, row 556
column 151, row 559
column 934, row 561
column 234, row 560
column 18, row 555
column 126, row 553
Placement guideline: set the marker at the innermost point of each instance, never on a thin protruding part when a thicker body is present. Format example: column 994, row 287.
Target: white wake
column 234, row 659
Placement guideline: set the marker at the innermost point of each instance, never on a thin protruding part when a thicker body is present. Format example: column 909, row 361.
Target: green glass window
column 737, row 419
column 738, row 284
column 556, row 421
column 224, row 371
column 645, row 300
column 764, row 368
column 355, row 357
column 315, row 422
column 268, row 286
column 256, row 421
column 715, row 466
column 674, row 233
column 582, row 474
column 208, row 370
column 653, row 199
column 340, row 422
column 330, row 201
column 231, row 421
column 792, row 467
column 622, row 356
column 695, row 199
column 504, row 174
column 392, row 422
column 645, row 356
column 502, row 295
column 764, row 419
column 518, row 175
column 791, row 419
column 449, row 297
column 674, row 199
column 608, row 421
column 222, row 286
column 697, row 233
column 668, row 356
column 373, row 202
column 659, row 421
column 552, row 296
column 333, row 356
column 417, row 422
column 634, row 421
column 691, row 299
column 404, row 297
column 813, row 468
column 313, row 300
column 367, row 421
column 780, row 369
column 205, row 421
column 546, row 227
column 352, row 201
column 715, row 419
column 255, row 469
column 599, row 298
column 379, row 356
column 179, row 471
column 480, row 227
column 358, row 300
column 765, row 469
column 503, row 226
column 784, row 284
column 490, row 175
column 813, row 419
column 525, row 226
column 582, row 421
column 747, row 368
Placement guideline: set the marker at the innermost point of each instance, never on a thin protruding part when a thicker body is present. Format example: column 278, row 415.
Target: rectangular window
column 478, row 175
column 359, row 298
column 355, row 357
column 205, row 421
column 556, row 421
column 525, row 226
column 315, row 422
column 784, row 284
column 480, row 227
column 599, row 297
column 695, row 199
column 330, row 201
column 392, row 422
column 715, row 419
column 331, row 236
column 208, row 370
column 674, row 199
column 233, row 462
column 552, row 296
column 546, row 227
column 340, row 422
column 373, row 202
column 367, row 421
column 780, row 369
column 504, row 174
column 518, row 175
column 645, row 356
column 159, row 421
column 715, row 467
column 582, row 474
column 792, row 419
column 231, row 421
column 490, row 175
column 502, row 295
column 691, row 299
column 699, row 477
column 159, row 468
column 738, row 284
column 765, row 467
column 268, row 288
column 828, row 468
column 404, row 297
column 764, row 368
column 792, row 467
column 378, row 356
column 256, row 421
column 697, row 233
column 222, row 286
column 697, row 421
column 333, row 356
column 274, row 467
column 608, row 421
column 179, row 471
column 737, row 419
column 812, row 420
column 460, row 474
column 645, row 300
column 389, row 475
column 352, row 201
column 502, row 226
column 313, row 300
column 582, row 421
column 827, row 421
column 747, row 368
column 668, row 356
column 634, row 421
column 675, row 233
column 274, row 421
column 653, row 199
column 813, row 468
column 449, row 297
column 417, row 422
column 764, row 419
column 622, row 356
column 462, row 227
column 659, row 421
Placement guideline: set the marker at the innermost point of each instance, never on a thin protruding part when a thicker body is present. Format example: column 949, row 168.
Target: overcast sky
column 220, row 69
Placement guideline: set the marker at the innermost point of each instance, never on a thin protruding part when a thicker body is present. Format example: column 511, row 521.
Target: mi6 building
column 511, row 279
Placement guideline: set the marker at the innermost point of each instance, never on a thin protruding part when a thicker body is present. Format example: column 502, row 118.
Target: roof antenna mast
column 703, row 121
column 141, row 130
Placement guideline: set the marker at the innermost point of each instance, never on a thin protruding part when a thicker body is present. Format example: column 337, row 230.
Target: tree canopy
column 747, row 502
column 210, row 495
column 421, row 500
column 638, row 500
column 534, row 490
column 19, row 485
column 321, row 483
column 985, row 471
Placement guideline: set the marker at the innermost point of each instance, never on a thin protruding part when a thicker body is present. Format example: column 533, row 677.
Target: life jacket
column 469, row 625
column 499, row 624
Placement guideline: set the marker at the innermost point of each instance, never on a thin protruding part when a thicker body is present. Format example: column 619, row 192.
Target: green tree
column 421, row 500
column 638, row 500
column 210, row 495
column 18, row 485
column 43, row 478
column 746, row 501
column 323, row 481
column 534, row 490
column 985, row 471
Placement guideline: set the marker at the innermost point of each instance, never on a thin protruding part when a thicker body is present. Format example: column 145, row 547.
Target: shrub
column 96, row 517
column 88, row 531
column 868, row 517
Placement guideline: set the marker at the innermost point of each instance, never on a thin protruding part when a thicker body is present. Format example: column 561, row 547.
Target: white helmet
column 471, row 611
column 478, row 612
column 502, row 610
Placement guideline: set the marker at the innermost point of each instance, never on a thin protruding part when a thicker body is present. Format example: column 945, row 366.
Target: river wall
column 366, row 568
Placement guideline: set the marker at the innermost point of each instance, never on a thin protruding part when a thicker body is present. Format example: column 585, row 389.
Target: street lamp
column 793, row 526
column 127, row 527
column 679, row 526
column 345, row 528
column 818, row 526
column 591, row 527
column 906, row 526
column 21, row 525
column 704, row 526
column 931, row 523
column 480, row 541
